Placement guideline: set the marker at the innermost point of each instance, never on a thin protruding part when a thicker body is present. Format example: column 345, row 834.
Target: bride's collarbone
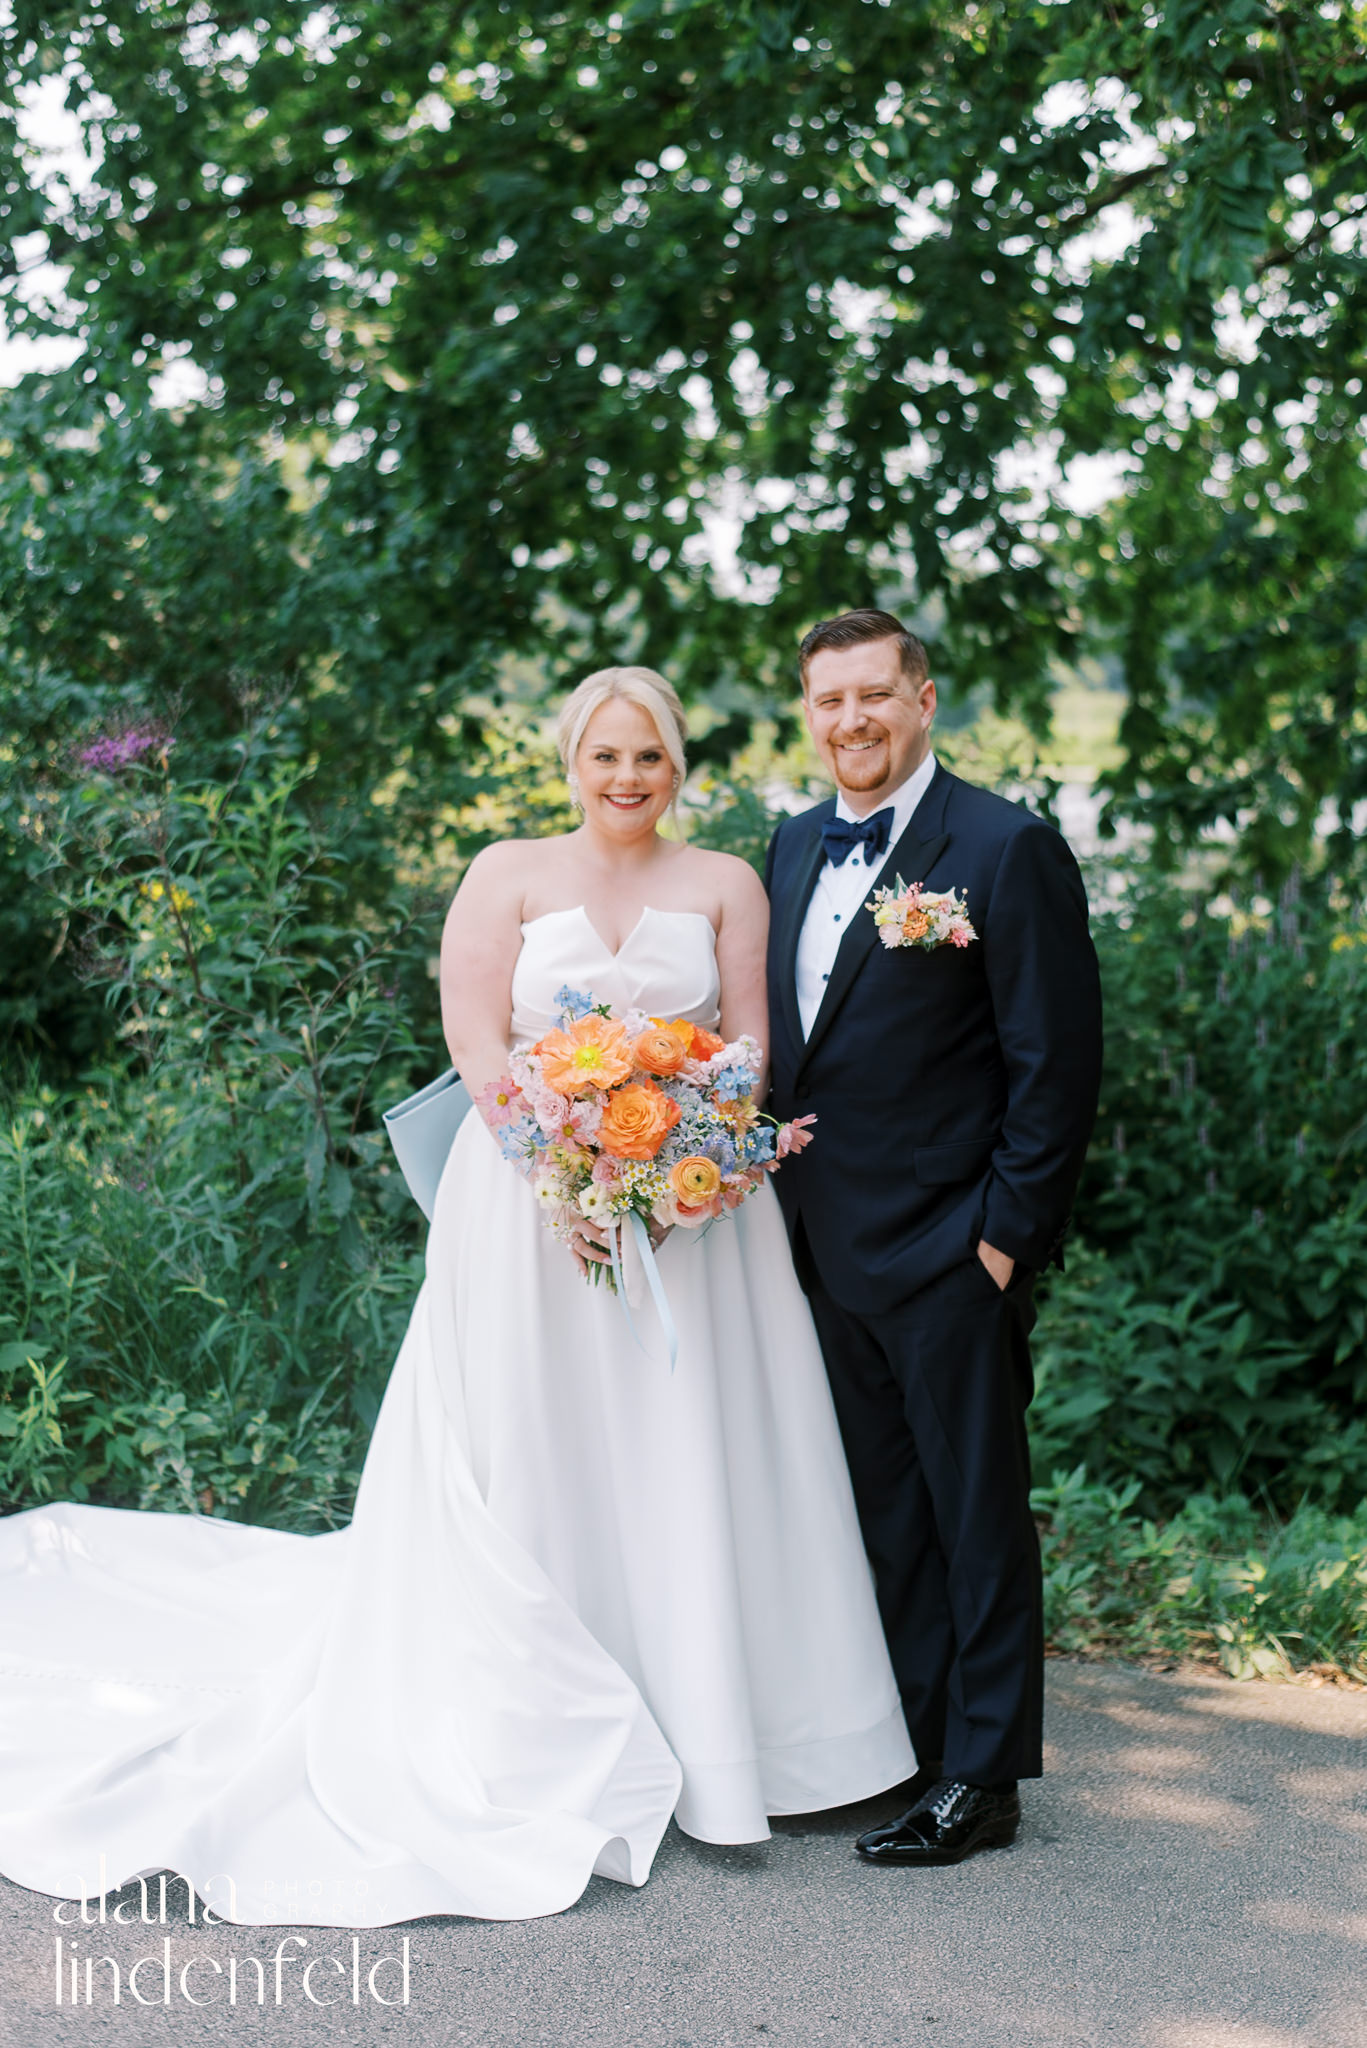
column 618, row 906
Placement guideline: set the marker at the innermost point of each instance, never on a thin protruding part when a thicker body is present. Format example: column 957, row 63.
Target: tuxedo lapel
column 913, row 857
column 807, row 865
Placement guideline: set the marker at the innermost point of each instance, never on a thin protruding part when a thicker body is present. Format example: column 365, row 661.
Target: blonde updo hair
column 640, row 686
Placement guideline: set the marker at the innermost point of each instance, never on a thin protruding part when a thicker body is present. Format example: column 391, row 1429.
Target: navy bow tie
column 840, row 836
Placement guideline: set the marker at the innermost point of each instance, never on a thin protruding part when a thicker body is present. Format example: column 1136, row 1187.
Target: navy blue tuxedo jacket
column 955, row 1089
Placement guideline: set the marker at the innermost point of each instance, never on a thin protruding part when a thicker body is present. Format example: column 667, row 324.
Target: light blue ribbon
column 655, row 1283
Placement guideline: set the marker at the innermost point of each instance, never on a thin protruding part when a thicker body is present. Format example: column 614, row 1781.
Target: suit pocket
column 941, row 1165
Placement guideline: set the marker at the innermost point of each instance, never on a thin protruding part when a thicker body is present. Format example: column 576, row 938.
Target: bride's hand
column 657, row 1232
column 589, row 1247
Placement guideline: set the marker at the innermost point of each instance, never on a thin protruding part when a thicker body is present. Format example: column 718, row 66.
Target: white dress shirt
column 840, row 891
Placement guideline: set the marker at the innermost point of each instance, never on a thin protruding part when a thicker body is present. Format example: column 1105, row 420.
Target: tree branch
column 256, row 199
column 1289, row 251
column 1110, row 194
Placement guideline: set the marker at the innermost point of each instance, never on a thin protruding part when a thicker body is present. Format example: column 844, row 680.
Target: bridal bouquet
column 618, row 1117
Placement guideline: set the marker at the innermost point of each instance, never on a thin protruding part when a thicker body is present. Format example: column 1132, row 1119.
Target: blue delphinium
column 520, row 1140
column 573, row 1004
column 758, row 1145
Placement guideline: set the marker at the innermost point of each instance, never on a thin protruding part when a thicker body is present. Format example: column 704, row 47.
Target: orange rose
column 660, row 1051
column 915, row 925
column 593, row 1053
column 637, row 1120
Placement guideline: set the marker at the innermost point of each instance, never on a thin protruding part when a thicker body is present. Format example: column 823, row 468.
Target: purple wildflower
column 112, row 751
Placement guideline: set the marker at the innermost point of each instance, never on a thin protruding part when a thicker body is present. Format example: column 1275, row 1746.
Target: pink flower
column 686, row 1215
column 500, row 1102
column 583, row 1120
column 550, row 1109
column 792, row 1137
column 606, row 1171
column 961, row 935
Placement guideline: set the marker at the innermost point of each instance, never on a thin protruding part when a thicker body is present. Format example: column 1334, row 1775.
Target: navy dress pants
column 931, row 1402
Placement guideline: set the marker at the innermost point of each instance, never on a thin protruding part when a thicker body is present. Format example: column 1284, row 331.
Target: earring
column 575, row 798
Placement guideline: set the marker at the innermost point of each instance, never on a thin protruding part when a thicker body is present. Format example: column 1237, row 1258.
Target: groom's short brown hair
column 850, row 628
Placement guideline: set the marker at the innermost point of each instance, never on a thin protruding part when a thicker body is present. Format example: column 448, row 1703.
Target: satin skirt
column 581, row 1593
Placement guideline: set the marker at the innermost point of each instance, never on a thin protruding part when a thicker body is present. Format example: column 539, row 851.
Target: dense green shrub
column 1232, row 1133
column 1165, row 1379
column 48, row 1010
column 1219, row 1580
column 1220, row 1339
column 208, row 1244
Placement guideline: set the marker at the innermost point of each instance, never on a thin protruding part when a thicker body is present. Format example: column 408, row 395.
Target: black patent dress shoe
column 952, row 1820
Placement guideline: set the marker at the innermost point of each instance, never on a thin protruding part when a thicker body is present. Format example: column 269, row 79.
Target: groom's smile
column 869, row 719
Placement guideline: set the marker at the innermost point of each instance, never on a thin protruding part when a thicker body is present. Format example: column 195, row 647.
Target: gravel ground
column 1192, row 1873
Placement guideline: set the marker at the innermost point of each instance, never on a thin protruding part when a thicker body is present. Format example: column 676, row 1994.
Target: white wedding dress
column 580, row 1593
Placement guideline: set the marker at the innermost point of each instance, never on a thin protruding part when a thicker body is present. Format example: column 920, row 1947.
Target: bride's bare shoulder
column 725, row 873
column 504, row 869
column 733, row 892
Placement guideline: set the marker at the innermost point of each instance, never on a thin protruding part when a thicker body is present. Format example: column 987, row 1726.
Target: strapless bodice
column 666, row 965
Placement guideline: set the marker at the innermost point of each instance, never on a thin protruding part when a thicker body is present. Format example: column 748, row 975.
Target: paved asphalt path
column 1192, row 1873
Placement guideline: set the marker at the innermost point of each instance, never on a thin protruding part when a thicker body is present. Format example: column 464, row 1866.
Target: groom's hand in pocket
column 998, row 1264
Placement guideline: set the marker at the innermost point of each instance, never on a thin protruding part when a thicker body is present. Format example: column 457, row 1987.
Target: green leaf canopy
column 511, row 322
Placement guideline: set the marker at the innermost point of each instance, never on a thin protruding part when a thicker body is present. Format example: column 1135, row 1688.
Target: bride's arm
column 479, row 948
column 741, row 943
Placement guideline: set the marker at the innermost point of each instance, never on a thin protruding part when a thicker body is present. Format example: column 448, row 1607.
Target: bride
column 581, row 1593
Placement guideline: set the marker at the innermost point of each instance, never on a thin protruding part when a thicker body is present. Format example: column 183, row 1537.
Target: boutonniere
column 919, row 917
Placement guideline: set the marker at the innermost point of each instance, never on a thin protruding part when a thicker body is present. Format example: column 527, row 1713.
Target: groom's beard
column 861, row 767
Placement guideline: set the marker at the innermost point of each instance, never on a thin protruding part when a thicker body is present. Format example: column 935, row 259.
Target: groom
column 955, row 1085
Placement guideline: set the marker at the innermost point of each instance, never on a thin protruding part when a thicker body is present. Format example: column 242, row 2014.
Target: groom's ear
column 928, row 699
